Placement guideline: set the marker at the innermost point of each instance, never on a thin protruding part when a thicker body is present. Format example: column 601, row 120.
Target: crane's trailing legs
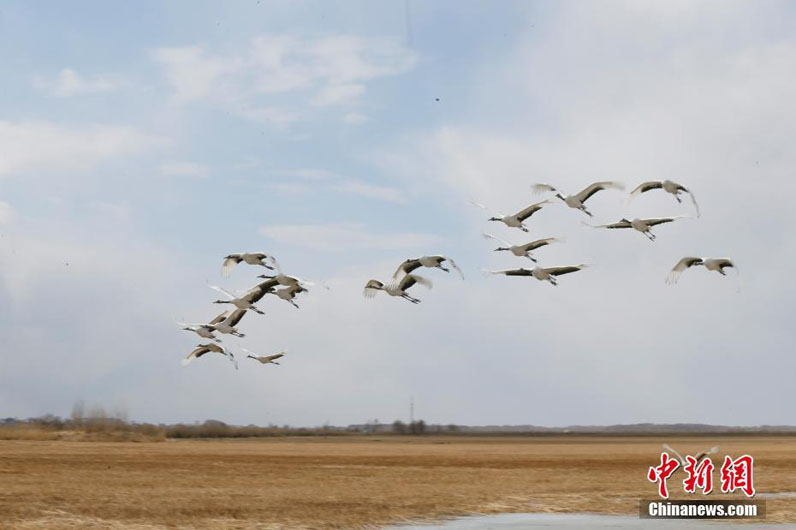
column 411, row 299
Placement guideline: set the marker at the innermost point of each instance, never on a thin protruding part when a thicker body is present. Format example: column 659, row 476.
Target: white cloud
column 184, row 169
column 6, row 214
column 118, row 210
column 329, row 181
column 304, row 173
column 293, row 188
column 345, row 236
column 363, row 189
column 330, row 70
column 355, row 118
column 276, row 116
column 69, row 83
column 31, row 146
column 249, row 162
column 191, row 71
column 338, row 94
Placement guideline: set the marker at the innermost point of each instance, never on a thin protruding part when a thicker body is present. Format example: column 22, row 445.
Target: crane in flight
column 397, row 289
column 578, row 200
column 669, row 187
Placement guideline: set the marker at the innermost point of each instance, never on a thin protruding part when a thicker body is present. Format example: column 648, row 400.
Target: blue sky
column 141, row 143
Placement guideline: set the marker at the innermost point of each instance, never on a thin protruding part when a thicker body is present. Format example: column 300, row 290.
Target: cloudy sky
column 141, row 143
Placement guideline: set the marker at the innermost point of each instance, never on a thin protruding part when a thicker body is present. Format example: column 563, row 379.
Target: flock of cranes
column 288, row 287
column 404, row 278
column 278, row 284
column 577, row 201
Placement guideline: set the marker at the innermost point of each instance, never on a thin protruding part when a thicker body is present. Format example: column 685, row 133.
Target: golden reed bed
column 347, row 482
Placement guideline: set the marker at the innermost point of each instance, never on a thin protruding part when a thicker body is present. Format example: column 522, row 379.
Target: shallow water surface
column 522, row 521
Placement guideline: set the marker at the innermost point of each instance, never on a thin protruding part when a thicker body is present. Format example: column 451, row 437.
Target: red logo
column 700, row 475
column 738, row 474
column 661, row 473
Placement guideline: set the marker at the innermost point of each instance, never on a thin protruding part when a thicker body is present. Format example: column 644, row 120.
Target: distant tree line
column 420, row 427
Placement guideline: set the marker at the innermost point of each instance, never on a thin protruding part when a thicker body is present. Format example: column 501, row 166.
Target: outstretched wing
column 222, row 291
column 273, row 357
column 533, row 245
column 235, row 317
column 560, row 271
column 724, row 263
column 195, row 354
column 410, row 279
column 453, row 264
column 492, row 212
column 530, row 210
column 254, row 294
column 232, row 359
column 513, row 272
column 680, row 266
column 667, row 447
column 370, row 288
column 541, row 188
column 406, row 267
column 618, row 224
column 268, row 284
column 219, row 318
column 702, row 454
column 490, row 236
column 646, row 186
column 588, row 191
column 660, row 220
column 229, row 264
column 693, row 200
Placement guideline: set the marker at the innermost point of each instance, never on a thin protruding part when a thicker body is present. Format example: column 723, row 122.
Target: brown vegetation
column 346, row 482
column 95, row 429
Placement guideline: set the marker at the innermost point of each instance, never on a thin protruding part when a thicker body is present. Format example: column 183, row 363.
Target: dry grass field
column 347, row 482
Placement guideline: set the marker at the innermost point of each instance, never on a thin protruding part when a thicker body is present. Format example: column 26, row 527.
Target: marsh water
column 518, row 521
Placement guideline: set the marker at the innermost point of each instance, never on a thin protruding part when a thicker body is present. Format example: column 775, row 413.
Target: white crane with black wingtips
column 433, row 262
column 288, row 294
column 669, row 187
column 641, row 225
column 203, row 330
column 251, row 258
column 698, row 457
column 226, row 322
column 548, row 274
column 245, row 300
column 264, row 359
column 203, row 349
column 397, row 289
column 578, row 200
column 711, row 264
column 514, row 220
column 523, row 251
